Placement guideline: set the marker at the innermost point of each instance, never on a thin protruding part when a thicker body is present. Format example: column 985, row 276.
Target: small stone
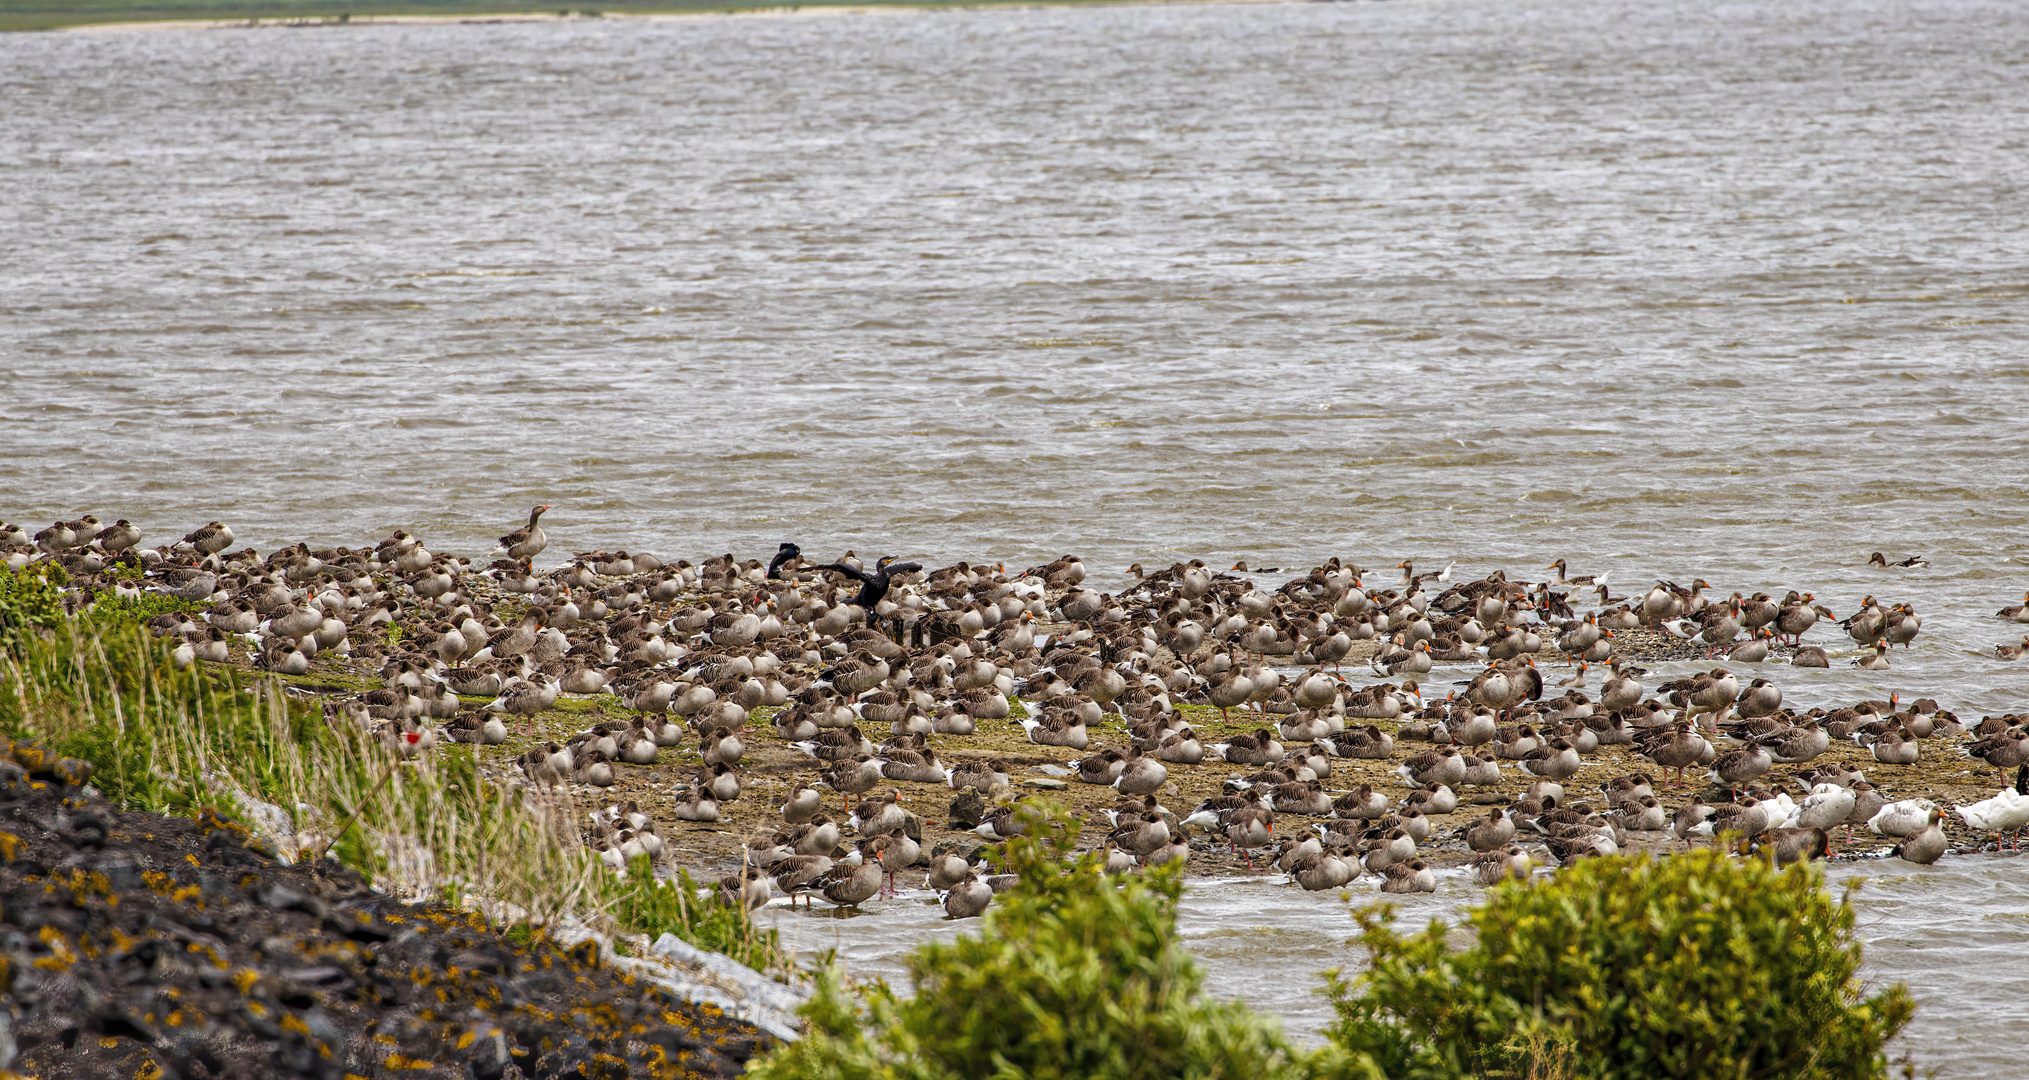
column 1046, row 783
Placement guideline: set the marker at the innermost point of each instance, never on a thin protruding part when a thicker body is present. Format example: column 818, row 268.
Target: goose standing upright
column 526, row 542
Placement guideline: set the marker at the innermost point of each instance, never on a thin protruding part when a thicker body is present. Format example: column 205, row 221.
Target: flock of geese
column 879, row 673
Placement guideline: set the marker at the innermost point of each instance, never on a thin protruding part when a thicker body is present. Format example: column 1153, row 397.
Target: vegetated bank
column 129, row 803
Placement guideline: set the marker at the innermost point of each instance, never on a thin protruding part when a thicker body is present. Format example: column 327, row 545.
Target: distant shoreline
column 202, row 15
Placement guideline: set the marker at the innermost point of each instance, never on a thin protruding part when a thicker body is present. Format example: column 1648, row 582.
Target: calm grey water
column 1668, row 288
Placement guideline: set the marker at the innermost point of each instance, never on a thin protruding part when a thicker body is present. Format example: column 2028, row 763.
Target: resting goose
column 695, row 804
column 1901, row 818
column 1320, row 871
column 802, row 805
column 1491, row 833
column 1498, row 865
column 968, row 898
column 117, row 537
column 477, row 728
column 1925, row 845
column 1810, row 656
column 1000, row 823
column 209, row 539
column 1788, row 845
column 1412, row 876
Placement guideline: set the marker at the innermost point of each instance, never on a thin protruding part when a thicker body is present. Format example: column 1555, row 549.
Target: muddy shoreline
column 771, row 767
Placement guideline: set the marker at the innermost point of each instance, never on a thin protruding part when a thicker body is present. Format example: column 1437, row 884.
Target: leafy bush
column 31, row 600
column 1074, row 975
column 110, row 609
column 1691, row 966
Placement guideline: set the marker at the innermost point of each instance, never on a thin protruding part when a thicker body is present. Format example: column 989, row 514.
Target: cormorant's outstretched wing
column 848, row 571
column 902, row 568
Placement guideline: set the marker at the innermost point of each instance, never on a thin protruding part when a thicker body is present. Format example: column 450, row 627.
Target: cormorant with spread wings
column 873, row 585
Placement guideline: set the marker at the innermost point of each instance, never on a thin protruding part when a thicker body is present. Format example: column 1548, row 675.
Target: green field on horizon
column 54, row 14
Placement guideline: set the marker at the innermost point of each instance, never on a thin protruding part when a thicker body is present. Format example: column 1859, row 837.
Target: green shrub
column 31, row 601
column 1073, row 975
column 110, row 609
column 1690, row 966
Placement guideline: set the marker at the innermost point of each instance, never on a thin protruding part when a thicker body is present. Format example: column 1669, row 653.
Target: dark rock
column 84, row 828
column 967, row 810
column 283, row 898
column 218, row 962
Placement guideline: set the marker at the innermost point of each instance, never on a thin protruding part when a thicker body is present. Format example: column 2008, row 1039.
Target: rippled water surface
column 1732, row 290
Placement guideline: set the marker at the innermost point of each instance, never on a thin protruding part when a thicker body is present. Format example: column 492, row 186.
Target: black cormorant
column 873, row 585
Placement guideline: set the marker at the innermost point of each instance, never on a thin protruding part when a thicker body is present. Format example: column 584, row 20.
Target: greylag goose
column 1490, row 833
column 1412, row 876
column 1901, row 818
column 1786, row 846
column 117, row 537
column 1495, row 866
column 1320, row 871
column 1926, row 845
column 803, row 804
column 796, row 874
column 968, row 898
column 526, row 542
column 747, row 889
column 209, row 539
